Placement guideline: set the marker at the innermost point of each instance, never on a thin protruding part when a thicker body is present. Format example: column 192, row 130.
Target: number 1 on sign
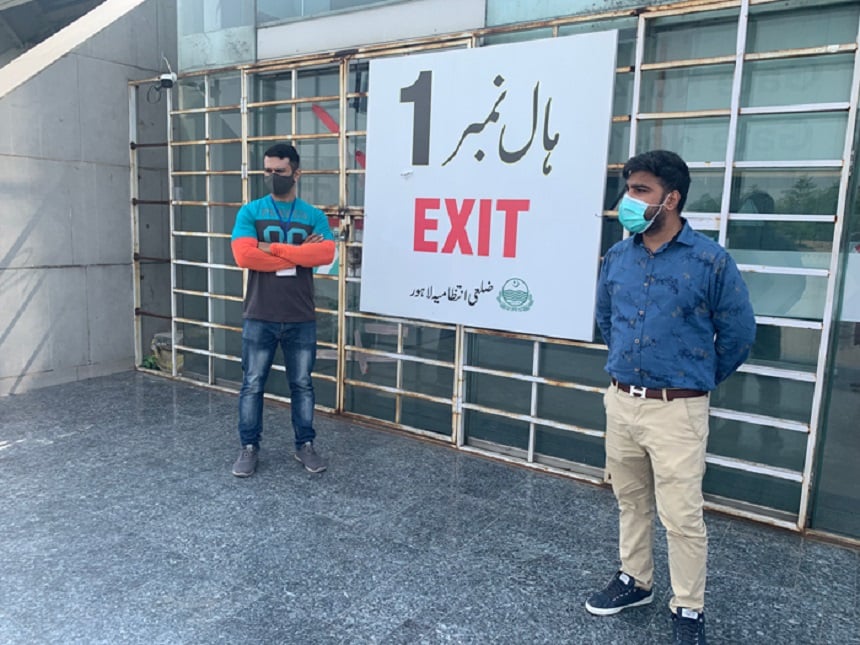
column 419, row 93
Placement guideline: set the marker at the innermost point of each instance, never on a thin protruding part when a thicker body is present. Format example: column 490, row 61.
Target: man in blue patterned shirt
column 676, row 316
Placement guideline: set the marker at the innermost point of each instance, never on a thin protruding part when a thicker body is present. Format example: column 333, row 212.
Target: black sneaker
column 312, row 462
column 620, row 593
column 246, row 463
column 688, row 627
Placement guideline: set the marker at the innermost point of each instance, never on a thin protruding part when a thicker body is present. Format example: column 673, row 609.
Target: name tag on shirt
column 286, row 272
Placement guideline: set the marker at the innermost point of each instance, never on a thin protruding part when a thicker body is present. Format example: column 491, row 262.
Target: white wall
column 413, row 19
column 66, row 305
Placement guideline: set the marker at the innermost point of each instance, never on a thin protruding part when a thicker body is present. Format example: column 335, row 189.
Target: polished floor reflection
column 121, row 523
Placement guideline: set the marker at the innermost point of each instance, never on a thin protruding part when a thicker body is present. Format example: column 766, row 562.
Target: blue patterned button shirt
column 680, row 317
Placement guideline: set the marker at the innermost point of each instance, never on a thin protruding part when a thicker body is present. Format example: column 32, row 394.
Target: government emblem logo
column 515, row 296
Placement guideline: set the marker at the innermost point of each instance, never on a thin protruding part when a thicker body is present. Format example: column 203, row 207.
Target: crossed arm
column 268, row 258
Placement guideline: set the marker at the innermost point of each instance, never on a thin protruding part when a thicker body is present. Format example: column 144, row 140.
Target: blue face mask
column 631, row 214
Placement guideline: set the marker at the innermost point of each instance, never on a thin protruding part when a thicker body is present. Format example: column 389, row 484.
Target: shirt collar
column 685, row 236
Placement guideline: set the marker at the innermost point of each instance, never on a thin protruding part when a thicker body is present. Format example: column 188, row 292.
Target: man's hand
column 311, row 239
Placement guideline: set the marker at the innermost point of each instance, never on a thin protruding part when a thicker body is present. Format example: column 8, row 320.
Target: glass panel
column 225, row 90
column 760, row 444
column 191, row 278
column 190, row 218
column 610, row 234
column 272, row 87
column 501, row 12
column 326, row 327
column 766, row 395
column 226, row 283
column 226, row 188
column 222, row 218
column 358, row 81
column 706, row 191
column 225, row 125
column 353, row 262
column 688, row 89
column 429, row 342
column 221, row 251
column 188, row 306
column 189, row 93
column 228, row 373
column 319, row 154
column 225, row 156
column 323, row 81
column 325, row 294
column 694, row 36
column 795, row 192
column 499, row 430
column 516, row 37
column 499, row 353
column 355, row 190
column 191, row 248
column 279, row 10
column 791, row 137
column 626, row 27
column 430, row 380
column 353, row 290
column 189, row 158
column 789, row 244
column 193, row 365
column 574, row 407
column 615, row 189
column 355, row 152
column 189, row 127
column 622, row 101
column 498, row 392
column 227, row 312
column 426, row 415
column 790, row 347
column 787, row 296
column 797, row 80
column 582, row 365
column 190, row 188
column 271, row 121
column 751, row 487
column 215, row 35
column 770, row 29
column 836, row 505
column 379, row 405
column 320, row 190
column 325, row 392
column 320, row 117
column 193, row 336
column 619, row 142
column 694, row 139
column 570, row 446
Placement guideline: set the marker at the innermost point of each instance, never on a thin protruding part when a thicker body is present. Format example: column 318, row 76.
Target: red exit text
column 458, row 213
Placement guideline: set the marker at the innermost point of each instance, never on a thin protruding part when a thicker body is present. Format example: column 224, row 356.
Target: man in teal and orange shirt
column 279, row 238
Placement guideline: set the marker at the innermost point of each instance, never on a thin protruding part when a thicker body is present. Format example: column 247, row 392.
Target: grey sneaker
column 310, row 459
column 246, row 463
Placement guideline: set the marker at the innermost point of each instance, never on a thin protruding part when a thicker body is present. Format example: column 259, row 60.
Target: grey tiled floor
column 120, row 523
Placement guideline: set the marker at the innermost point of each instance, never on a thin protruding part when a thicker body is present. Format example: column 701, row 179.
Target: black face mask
column 279, row 185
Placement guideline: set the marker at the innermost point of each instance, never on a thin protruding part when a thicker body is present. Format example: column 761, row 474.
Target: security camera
column 167, row 80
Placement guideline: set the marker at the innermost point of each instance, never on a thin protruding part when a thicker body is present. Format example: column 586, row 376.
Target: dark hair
column 284, row 151
column 667, row 167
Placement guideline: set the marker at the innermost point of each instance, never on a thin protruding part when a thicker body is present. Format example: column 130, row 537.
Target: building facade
column 759, row 97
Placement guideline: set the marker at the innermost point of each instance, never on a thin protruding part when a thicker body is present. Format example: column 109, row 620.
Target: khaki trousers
column 655, row 453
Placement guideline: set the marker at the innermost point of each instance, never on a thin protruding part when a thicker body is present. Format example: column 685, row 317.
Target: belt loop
column 664, row 395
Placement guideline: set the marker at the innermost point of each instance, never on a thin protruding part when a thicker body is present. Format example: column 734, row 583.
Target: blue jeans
column 260, row 340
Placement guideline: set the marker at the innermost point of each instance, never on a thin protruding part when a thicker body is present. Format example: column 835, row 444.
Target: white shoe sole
column 600, row 611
